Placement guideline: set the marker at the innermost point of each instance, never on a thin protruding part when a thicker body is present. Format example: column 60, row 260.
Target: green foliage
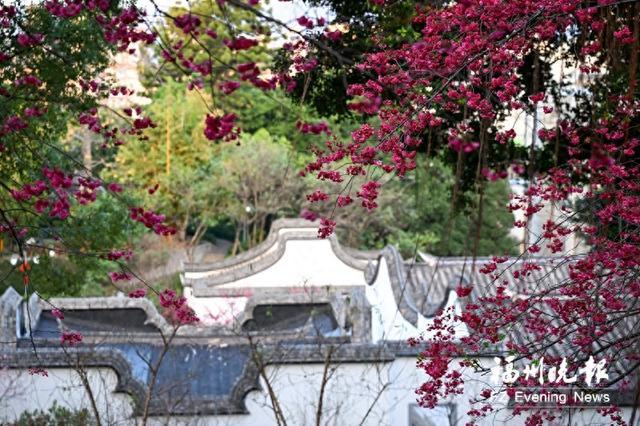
column 228, row 23
column 247, row 186
column 175, row 158
column 278, row 114
column 324, row 88
column 202, row 184
column 54, row 416
column 416, row 214
column 73, row 50
column 76, row 268
column 83, row 54
column 212, row 184
column 260, row 176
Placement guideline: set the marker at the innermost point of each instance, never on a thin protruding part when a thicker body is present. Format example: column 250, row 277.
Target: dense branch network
column 459, row 79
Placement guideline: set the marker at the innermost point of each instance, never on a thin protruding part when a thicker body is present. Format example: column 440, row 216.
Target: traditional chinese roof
column 286, row 321
column 423, row 287
column 118, row 332
column 203, row 278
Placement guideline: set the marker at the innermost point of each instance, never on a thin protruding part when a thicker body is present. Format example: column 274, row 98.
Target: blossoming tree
column 444, row 92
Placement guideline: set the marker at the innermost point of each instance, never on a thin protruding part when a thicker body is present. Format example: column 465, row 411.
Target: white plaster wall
column 368, row 394
column 371, row 394
column 387, row 323
column 20, row 391
column 216, row 310
column 407, row 378
column 304, row 263
column 304, row 260
column 386, row 320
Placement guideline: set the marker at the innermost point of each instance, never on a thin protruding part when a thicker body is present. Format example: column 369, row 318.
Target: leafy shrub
column 55, row 416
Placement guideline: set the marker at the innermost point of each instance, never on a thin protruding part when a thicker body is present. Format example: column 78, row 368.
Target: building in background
column 526, row 125
column 298, row 323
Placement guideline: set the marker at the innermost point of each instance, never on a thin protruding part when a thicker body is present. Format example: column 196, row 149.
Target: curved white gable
column 292, row 259
column 304, row 263
column 387, row 323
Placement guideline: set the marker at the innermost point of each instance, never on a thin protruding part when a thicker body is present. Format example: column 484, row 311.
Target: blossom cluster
column 176, row 308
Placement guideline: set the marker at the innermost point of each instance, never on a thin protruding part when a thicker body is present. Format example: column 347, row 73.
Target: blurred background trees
column 223, row 197
column 417, row 214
